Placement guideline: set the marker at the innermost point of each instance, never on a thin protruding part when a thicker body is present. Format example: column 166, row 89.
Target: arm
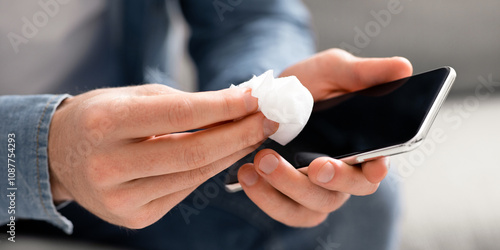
column 123, row 153
column 229, row 45
column 66, row 179
column 117, row 152
column 26, row 119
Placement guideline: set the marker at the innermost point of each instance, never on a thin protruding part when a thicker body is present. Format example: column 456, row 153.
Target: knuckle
column 227, row 104
column 251, row 136
column 92, row 116
column 193, row 156
column 120, row 108
column 155, row 87
column 152, row 89
column 181, row 112
column 193, row 177
column 232, row 105
column 330, row 202
column 335, row 51
column 103, row 114
column 200, row 175
column 257, row 135
column 246, row 140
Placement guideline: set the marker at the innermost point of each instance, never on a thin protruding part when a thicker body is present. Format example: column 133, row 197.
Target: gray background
column 451, row 191
column 461, row 34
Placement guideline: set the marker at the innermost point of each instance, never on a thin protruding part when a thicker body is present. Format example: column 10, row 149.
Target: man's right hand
column 124, row 155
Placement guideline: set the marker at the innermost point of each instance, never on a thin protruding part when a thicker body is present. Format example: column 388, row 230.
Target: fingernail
column 388, row 162
column 326, row 173
column 268, row 163
column 249, row 178
column 270, row 127
column 251, row 102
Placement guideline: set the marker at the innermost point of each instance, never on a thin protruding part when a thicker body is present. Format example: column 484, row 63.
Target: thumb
column 373, row 71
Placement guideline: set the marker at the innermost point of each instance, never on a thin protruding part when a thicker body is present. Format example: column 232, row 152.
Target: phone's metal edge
column 234, row 187
column 374, row 154
column 421, row 134
column 396, row 149
column 436, row 106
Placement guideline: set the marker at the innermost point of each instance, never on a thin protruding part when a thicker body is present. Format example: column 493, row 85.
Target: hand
column 336, row 72
column 124, row 155
column 295, row 199
column 299, row 200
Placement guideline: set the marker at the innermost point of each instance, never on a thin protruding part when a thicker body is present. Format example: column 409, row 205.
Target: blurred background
column 450, row 185
column 451, row 190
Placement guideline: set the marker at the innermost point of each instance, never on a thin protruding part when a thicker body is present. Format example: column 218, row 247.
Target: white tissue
column 283, row 100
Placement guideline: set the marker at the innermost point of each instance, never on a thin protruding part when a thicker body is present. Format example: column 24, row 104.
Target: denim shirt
column 230, row 41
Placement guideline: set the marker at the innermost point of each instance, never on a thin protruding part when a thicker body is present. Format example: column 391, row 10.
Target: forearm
column 24, row 175
column 252, row 38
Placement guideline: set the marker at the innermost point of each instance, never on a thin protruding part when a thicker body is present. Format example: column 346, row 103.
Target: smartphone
column 383, row 120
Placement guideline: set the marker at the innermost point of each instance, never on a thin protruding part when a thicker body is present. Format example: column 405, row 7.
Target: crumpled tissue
column 283, row 100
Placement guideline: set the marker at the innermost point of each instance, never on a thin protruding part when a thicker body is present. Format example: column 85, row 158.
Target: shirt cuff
column 28, row 121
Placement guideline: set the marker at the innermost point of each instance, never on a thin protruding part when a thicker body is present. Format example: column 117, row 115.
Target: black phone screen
column 377, row 117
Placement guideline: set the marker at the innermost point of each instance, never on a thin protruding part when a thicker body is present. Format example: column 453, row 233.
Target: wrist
column 59, row 193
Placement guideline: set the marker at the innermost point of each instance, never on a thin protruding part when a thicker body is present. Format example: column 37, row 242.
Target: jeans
column 211, row 218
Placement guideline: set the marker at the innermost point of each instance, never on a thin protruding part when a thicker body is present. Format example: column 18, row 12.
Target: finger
column 153, row 89
column 376, row 170
column 215, row 125
column 285, row 178
column 354, row 73
column 274, row 203
column 336, row 175
column 162, row 114
column 303, row 170
column 372, row 71
column 189, row 151
column 162, row 185
column 346, row 72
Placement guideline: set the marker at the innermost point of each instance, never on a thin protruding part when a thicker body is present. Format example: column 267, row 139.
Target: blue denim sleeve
column 24, row 174
column 233, row 40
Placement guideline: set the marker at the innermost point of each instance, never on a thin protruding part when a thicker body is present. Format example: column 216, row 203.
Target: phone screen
column 377, row 117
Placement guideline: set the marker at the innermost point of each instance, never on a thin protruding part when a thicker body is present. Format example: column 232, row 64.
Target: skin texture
column 124, row 153
column 121, row 153
column 299, row 200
